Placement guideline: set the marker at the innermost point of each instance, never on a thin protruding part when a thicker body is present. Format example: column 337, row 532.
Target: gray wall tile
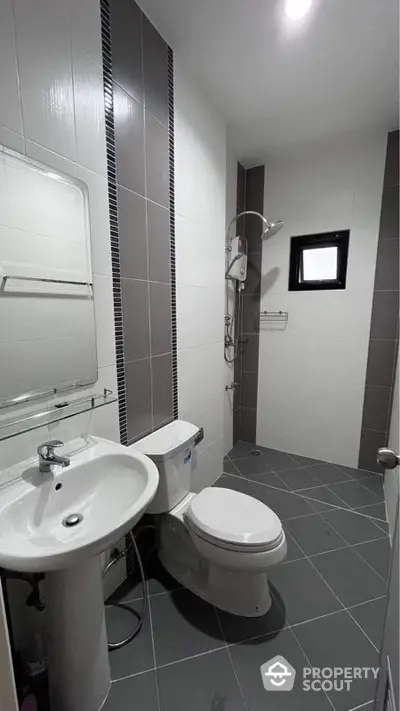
column 160, row 318
column 255, row 188
column 389, row 227
column 158, row 242
column 155, row 55
column 162, row 389
column 250, row 319
column 387, row 266
column 380, row 364
column 249, row 352
column 132, row 234
column 385, row 314
column 135, row 305
column 249, row 389
column 126, row 29
column 248, row 424
column 138, row 395
column 241, row 188
column 253, row 281
column 376, row 408
column 392, row 159
column 371, row 441
column 129, row 141
column 157, row 166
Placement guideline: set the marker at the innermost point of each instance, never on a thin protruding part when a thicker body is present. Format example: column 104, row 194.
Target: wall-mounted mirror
column 47, row 328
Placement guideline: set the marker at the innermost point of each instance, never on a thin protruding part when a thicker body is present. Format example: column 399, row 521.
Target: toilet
column 218, row 543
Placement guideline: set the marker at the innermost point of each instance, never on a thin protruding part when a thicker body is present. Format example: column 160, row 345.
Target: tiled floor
column 328, row 609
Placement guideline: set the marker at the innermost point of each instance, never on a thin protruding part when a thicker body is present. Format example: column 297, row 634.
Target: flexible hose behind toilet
column 117, row 645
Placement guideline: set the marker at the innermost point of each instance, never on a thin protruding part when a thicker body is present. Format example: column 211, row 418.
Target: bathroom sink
column 102, row 493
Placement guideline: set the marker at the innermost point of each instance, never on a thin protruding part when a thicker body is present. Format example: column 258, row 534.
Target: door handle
column 388, row 458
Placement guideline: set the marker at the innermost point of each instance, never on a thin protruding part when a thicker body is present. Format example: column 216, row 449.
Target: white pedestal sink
column 109, row 487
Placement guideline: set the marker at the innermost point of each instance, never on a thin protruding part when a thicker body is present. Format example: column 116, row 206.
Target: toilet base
column 251, row 596
column 245, row 594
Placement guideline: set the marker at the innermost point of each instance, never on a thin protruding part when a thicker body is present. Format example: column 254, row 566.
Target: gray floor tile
column 293, row 550
column 238, row 483
column 278, row 461
column 328, row 473
column 205, row 682
column 345, row 646
column 354, row 473
column 229, row 467
column 354, row 494
column 371, row 617
column 241, row 449
column 238, row 629
column 314, row 535
column 378, row 554
column 285, row 504
column 349, row 576
column 303, row 592
column 305, row 461
column 249, row 657
column 131, row 589
column 353, row 527
column 159, row 581
column 375, row 484
column 252, row 465
column 321, row 498
column 137, row 656
column 183, row 626
column 377, row 511
column 138, row 693
column 296, row 479
column 268, row 479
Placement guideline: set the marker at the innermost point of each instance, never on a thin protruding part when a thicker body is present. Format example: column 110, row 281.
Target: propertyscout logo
column 279, row 675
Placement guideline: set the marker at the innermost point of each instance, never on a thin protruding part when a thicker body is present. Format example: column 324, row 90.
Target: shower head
column 272, row 229
column 269, row 228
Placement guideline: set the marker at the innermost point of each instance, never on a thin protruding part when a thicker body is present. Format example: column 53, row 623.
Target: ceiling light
column 296, row 9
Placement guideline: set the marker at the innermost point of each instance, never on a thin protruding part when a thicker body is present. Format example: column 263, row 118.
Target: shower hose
column 122, row 643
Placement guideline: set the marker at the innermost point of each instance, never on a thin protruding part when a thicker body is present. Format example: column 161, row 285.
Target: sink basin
column 103, row 492
column 106, row 484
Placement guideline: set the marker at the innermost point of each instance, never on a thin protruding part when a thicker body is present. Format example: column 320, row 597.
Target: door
column 8, row 698
column 387, row 698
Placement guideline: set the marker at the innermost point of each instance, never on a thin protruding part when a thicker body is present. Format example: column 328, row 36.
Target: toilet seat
column 234, row 521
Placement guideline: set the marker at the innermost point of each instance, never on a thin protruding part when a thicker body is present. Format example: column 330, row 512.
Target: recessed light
column 296, row 9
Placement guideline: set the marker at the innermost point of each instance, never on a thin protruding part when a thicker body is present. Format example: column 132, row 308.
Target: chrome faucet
column 47, row 456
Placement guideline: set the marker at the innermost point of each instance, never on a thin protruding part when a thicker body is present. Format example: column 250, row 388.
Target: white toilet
column 220, row 543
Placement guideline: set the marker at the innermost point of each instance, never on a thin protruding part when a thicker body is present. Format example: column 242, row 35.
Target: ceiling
column 280, row 83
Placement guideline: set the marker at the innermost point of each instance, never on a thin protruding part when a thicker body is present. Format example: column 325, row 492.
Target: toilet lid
column 233, row 517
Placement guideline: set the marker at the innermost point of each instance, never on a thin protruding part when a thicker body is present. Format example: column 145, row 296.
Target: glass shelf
column 11, row 427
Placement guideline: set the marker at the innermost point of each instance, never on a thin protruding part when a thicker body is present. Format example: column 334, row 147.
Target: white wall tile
column 209, row 466
column 50, row 158
column 11, row 139
column 200, row 255
column 99, row 220
column 85, row 26
column 200, row 316
column 10, row 107
column 312, row 373
column 89, row 114
column 43, row 46
column 200, row 168
column 104, row 318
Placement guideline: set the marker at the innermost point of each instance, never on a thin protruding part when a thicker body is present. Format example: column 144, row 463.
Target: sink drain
column 72, row 520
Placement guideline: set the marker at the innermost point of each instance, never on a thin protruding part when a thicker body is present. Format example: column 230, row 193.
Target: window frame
column 337, row 238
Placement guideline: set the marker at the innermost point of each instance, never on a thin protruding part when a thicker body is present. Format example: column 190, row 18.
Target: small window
column 319, row 261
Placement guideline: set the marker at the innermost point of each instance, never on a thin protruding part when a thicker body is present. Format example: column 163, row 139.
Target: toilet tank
column 171, row 448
